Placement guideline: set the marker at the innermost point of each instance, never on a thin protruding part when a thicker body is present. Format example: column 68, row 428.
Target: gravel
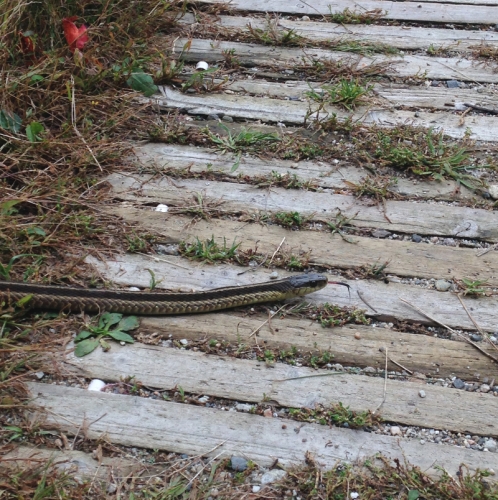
column 458, row 383
column 238, row 463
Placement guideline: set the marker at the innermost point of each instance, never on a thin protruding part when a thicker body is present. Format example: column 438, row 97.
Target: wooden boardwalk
column 429, row 209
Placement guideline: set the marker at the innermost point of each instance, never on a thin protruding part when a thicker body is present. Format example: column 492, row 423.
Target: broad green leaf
column 121, row 336
column 83, row 335
column 109, row 319
column 10, row 121
column 413, row 495
column 86, row 347
column 7, row 207
column 38, row 231
column 143, row 83
column 22, row 302
column 36, row 78
column 128, row 323
column 33, row 131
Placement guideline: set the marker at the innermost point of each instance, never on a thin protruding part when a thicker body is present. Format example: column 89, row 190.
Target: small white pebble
column 96, row 385
column 184, row 342
column 274, row 275
column 134, row 289
column 256, row 488
column 161, row 208
column 421, row 393
column 354, row 495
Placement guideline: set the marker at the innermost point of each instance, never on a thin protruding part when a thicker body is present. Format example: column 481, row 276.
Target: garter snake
column 158, row 303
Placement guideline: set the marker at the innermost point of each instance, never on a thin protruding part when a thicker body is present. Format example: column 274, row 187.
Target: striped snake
column 158, row 303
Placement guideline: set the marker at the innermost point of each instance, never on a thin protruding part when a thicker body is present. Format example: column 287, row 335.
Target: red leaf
column 75, row 37
column 27, row 45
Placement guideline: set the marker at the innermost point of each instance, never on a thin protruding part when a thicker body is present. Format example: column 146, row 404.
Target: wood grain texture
column 401, row 37
column 176, row 273
column 440, row 68
column 295, row 113
column 419, row 353
column 253, row 381
column 147, row 423
column 324, row 174
column 404, row 216
column 405, row 11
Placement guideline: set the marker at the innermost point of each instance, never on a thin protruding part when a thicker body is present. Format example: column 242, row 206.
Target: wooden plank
column 405, row 258
column 135, row 421
column 401, row 37
column 432, row 356
column 404, row 11
column 383, row 299
column 440, row 68
column 297, row 113
column 78, row 463
column 404, row 216
column 324, row 174
column 253, row 381
column 441, row 98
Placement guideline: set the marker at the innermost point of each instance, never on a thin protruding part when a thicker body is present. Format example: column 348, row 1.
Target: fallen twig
column 385, row 383
column 276, row 251
column 490, row 356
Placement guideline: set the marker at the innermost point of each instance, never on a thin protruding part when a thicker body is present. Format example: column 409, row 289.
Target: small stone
column 453, row 84
column 96, row 385
column 381, row 233
column 421, row 393
column 167, row 250
column 213, row 117
column 435, row 83
column 443, row 285
column 227, row 118
column 184, row 342
column 458, row 383
column 490, row 444
column 475, row 337
column 203, row 399
column 305, row 18
column 112, row 488
column 493, row 191
column 268, row 413
column 450, row 242
column 256, row 488
column 167, row 343
column 39, row 375
column 338, row 367
column 422, row 441
column 485, row 388
column 243, row 407
column 395, row 430
column 274, row 275
column 133, row 289
column 370, row 369
column 238, row 463
column 273, row 475
column 357, row 335
column 416, row 238
column 354, row 495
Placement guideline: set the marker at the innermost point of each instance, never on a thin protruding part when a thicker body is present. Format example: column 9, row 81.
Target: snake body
column 158, row 303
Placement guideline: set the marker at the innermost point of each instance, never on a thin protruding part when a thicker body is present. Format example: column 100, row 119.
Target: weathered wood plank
column 401, row 37
column 419, row 353
column 404, row 11
column 441, row 98
column 135, row 421
column 253, row 381
column 405, row 258
column 405, row 216
column 297, row 113
column 442, row 68
column 326, row 175
column 383, row 299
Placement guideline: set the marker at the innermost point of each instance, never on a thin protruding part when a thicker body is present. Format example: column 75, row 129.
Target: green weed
column 209, row 250
column 348, row 16
column 345, row 93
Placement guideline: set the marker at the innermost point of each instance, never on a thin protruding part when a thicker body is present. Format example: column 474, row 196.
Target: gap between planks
column 255, row 382
column 156, row 156
column 297, row 113
column 408, row 217
column 147, row 423
column 133, row 270
column 403, row 11
column 404, row 258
